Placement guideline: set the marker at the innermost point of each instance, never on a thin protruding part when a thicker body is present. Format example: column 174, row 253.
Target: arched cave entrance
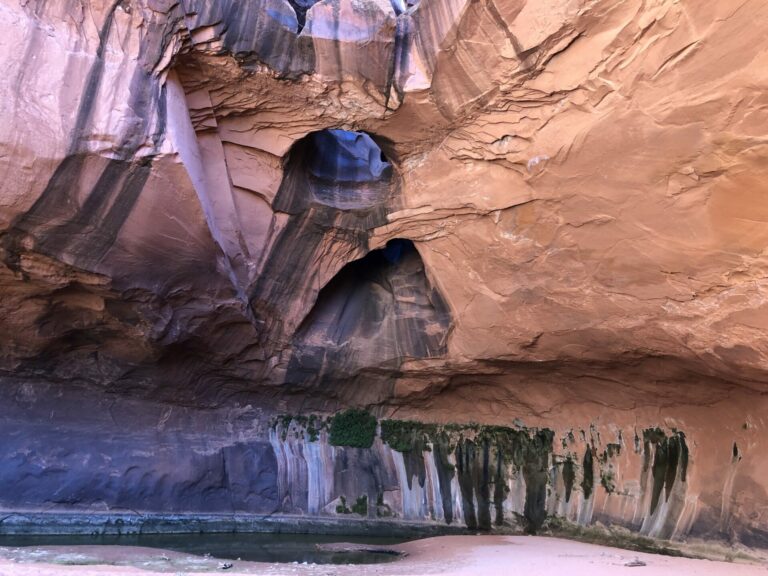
column 340, row 169
column 379, row 310
column 337, row 186
column 375, row 313
column 301, row 7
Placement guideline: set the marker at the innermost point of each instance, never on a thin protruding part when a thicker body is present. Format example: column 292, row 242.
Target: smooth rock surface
column 583, row 183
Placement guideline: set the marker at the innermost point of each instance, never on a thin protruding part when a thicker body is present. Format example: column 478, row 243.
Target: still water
column 232, row 546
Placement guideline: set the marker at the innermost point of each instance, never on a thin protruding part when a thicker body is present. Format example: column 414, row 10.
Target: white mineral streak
column 515, row 500
column 412, row 496
column 320, row 465
column 433, row 485
column 314, row 475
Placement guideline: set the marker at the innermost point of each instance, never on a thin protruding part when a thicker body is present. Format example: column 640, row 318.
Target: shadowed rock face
column 339, row 156
column 98, row 453
column 337, row 186
column 447, row 210
column 337, row 169
column 301, row 7
column 376, row 312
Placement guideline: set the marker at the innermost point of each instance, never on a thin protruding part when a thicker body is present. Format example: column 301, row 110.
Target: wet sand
column 445, row 555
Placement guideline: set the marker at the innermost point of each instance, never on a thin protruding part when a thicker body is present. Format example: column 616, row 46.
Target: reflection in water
column 248, row 547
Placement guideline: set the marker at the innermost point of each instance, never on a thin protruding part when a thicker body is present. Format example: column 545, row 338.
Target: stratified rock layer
column 452, row 211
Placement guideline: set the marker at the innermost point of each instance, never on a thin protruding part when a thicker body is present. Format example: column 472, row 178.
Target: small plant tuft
column 361, row 505
column 342, row 508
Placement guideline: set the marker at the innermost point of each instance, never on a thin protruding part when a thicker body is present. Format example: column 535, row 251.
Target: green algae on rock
column 479, row 475
column 360, row 506
column 669, row 453
column 484, row 455
column 354, row 428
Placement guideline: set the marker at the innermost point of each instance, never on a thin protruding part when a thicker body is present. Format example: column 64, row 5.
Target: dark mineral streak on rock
column 539, row 449
column 673, row 459
column 445, row 474
column 569, row 477
column 482, row 482
column 256, row 31
column 398, row 73
column 414, row 467
column 57, row 224
column 499, row 488
column 484, row 456
column 588, row 473
column 91, row 231
column 465, row 458
column 337, row 187
column 670, row 461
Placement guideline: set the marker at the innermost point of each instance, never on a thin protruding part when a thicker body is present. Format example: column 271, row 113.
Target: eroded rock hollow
column 481, row 263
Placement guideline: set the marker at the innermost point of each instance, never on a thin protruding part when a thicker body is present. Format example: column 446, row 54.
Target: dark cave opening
column 337, row 168
column 345, row 156
column 353, row 303
column 378, row 310
column 301, row 7
column 337, row 187
column 402, row 6
column 373, row 267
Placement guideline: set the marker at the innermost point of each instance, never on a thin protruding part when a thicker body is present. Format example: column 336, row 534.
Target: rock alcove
column 339, row 169
column 379, row 308
column 375, row 313
column 186, row 232
column 337, row 187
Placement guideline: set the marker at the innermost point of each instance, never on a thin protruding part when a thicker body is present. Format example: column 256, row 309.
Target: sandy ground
column 445, row 555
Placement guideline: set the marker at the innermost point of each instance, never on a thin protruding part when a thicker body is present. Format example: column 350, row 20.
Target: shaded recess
column 376, row 312
column 337, row 187
column 263, row 32
column 301, row 7
column 65, row 448
column 401, row 6
column 336, row 168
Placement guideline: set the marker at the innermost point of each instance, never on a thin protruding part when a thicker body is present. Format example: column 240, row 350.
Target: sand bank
column 445, row 555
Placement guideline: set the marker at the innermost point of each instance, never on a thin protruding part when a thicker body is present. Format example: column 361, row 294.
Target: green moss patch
column 359, row 507
column 354, row 428
column 407, row 435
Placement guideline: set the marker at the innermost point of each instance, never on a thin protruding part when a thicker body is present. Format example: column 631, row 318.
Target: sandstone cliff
column 495, row 211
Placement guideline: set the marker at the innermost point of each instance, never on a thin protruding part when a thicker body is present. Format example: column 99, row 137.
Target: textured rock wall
column 74, row 450
column 69, row 450
column 582, row 182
